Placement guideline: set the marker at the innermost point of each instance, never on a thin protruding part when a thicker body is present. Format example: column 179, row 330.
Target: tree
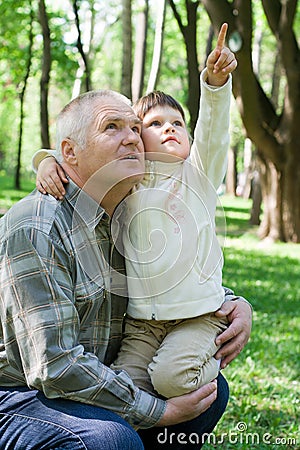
column 85, row 70
column 158, row 43
column 275, row 132
column 137, row 84
column 127, row 49
column 16, row 56
column 22, row 98
column 45, row 78
column 189, row 32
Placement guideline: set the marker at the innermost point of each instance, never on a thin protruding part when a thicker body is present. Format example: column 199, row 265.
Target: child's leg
column 185, row 359
column 139, row 344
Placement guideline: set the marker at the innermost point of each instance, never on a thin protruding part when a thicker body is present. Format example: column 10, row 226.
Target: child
column 173, row 259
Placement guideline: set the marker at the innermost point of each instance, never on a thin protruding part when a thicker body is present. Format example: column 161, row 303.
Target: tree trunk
column 248, row 167
column 231, row 176
column 256, row 196
column 158, row 41
column 45, row 78
column 127, row 49
column 84, row 69
column 270, row 227
column 275, row 134
column 137, row 85
column 189, row 33
column 22, row 97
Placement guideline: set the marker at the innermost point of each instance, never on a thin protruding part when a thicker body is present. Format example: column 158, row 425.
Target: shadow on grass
column 270, row 281
column 237, row 221
column 236, row 209
column 264, row 378
column 271, row 284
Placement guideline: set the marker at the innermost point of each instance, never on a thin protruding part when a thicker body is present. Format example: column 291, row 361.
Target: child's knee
column 165, row 382
column 172, row 383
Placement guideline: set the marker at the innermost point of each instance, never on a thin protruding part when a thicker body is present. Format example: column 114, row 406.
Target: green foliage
column 105, row 60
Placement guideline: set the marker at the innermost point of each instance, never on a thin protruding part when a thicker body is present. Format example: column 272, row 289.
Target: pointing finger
column 222, row 36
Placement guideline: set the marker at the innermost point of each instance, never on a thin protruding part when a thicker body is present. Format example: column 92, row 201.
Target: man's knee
column 119, row 437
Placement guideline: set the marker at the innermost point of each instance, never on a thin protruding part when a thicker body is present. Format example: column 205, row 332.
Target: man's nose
column 131, row 136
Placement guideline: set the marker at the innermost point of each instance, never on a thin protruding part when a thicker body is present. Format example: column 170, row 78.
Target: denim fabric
column 189, row 435
column 30, row 421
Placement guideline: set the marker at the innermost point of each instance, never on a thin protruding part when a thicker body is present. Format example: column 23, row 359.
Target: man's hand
column 50, row 178
column 188, row 406
column 234, row 339
column 221, row 61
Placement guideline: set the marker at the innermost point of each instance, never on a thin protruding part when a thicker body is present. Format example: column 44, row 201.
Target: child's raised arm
column 221, row 61
column 50, row 178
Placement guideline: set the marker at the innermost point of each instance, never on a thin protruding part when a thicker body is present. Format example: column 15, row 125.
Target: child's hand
column 50, row 178
column 221, row 61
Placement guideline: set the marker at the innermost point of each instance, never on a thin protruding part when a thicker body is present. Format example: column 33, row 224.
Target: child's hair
column 153, row 99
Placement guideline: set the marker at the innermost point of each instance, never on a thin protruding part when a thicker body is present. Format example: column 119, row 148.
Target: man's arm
column 188, row 406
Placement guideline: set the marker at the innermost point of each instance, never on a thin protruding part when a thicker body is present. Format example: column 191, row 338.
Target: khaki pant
column 170, row 357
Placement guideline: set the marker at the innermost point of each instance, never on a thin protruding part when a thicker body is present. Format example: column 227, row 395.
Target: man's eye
column 136, row 130
column 111, row 126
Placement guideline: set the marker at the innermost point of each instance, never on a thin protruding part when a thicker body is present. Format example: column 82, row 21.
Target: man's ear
column 68, row 151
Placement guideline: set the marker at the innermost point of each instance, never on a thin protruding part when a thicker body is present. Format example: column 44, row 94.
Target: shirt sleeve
column 41, row 326
column 211, row 136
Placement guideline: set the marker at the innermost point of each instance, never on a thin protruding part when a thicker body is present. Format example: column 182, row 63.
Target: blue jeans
column 30, row 421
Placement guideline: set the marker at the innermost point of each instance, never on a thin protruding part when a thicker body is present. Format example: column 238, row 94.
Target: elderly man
column 63, row 299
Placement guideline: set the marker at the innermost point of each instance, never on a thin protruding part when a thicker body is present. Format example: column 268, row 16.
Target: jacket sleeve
column 211, row 137
column 40, row 155
column 230, row 295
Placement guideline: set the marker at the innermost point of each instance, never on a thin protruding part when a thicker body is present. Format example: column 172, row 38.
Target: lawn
column 8, row 195
column 264, row 406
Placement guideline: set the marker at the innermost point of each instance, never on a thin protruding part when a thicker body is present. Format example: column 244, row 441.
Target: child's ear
column 68, row 151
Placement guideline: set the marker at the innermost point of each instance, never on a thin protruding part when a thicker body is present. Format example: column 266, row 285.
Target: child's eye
column 155, row 123
column 177, row 123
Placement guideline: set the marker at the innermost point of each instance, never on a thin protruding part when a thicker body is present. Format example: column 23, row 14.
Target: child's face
column 165, row 135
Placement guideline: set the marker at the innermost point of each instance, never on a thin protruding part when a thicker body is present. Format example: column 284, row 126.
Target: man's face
column 114, row 150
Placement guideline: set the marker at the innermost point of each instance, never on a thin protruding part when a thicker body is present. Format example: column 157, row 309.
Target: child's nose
column 169, row 128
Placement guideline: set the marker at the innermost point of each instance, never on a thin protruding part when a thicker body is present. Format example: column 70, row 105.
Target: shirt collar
column 84, row 205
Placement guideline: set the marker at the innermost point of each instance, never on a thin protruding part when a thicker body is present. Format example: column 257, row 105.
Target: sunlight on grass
column 265, row 378
column 9, row 195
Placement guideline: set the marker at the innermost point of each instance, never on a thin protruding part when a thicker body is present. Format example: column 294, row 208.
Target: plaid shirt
column 62, row 305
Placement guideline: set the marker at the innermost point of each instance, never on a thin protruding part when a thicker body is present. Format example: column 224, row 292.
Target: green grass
column 9, row 195
column 264, row 379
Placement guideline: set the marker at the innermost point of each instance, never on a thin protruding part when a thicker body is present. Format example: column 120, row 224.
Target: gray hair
column 74, row 120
